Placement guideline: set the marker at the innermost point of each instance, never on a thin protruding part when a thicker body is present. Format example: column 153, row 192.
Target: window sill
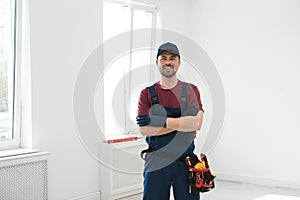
column 17, row 152
column 21, row 156
column 139, row 141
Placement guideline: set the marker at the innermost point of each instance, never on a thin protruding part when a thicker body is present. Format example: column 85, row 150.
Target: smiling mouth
column 168, row 67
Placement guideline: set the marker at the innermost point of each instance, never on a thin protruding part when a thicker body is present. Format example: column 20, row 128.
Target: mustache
column 168, row 65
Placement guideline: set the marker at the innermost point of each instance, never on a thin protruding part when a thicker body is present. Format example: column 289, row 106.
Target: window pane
column 119, row 19
column 116, row 19
column 113, row 79
column 142, row 19
column 6, row 69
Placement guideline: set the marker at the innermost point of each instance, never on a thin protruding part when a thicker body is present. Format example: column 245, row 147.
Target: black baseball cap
column 168, row 47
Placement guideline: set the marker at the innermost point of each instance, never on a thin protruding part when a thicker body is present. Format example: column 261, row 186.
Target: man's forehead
column 168, row 54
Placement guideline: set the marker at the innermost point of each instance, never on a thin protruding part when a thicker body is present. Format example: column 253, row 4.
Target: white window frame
column 14, row 141
column 21, row 79
column 127, row 81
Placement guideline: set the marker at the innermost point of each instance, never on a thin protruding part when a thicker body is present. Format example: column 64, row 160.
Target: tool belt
column 160, row 154
column 200, row 178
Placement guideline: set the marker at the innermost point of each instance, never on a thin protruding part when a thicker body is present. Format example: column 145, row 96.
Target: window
column 117, row 19
column 8, row 135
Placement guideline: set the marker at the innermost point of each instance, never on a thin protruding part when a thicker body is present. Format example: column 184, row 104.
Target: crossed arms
column 185, row 124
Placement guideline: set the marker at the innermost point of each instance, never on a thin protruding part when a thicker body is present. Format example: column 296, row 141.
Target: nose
column 167, row 62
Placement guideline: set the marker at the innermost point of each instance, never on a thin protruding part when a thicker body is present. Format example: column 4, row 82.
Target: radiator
column 24, row 177
column 121, row 169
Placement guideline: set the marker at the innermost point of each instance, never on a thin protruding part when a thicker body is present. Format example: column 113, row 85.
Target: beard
column 167, row 71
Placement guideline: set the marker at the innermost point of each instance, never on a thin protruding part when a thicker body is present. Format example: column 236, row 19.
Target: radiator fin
column 26, row 181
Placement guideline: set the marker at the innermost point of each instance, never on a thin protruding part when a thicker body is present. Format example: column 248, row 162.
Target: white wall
column 255, row 46
column 63, row 33
column 174, row 16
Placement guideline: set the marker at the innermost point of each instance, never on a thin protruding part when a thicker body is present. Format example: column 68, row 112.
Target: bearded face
column 168, row 64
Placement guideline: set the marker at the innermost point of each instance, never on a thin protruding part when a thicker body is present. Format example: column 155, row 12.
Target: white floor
column 226, row 190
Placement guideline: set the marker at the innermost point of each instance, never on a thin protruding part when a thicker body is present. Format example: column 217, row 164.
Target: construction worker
column 169, row 114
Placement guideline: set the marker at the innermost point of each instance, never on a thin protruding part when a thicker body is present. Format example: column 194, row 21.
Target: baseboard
column 91, row 196
column 259, row 181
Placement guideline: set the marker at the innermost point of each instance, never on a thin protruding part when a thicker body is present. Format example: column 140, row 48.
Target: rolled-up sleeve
column 144, row 104
column 193, row 97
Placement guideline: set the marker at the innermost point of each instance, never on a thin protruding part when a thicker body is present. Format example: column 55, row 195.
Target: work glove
column 190, row 111
column 157, row 118
column 151, row 120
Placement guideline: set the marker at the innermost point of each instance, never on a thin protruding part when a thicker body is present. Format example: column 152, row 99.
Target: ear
column 156, row 62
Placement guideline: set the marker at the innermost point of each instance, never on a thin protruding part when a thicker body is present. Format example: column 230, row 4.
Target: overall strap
column 154, row 101
column 183, row 98
column 153, row 95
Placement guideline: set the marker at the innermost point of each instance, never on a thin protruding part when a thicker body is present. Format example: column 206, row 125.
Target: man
column 169, row 114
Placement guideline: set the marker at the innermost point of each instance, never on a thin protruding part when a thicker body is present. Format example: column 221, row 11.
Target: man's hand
column 157, row 118
column 151, row 120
